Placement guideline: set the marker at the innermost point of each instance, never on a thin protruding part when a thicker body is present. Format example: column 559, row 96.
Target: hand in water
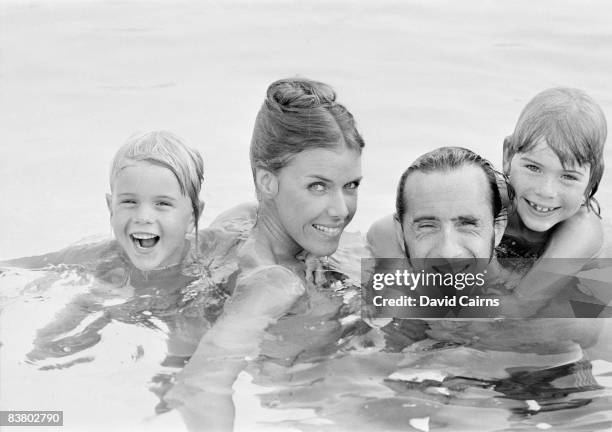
column 315, row 270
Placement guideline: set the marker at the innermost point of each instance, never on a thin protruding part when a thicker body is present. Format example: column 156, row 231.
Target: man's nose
column 449, row 245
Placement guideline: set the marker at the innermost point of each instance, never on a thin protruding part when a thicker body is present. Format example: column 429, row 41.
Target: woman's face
column 317, row 197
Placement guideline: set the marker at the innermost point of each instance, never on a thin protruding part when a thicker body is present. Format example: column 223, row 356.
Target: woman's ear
column 109, row 203
column 266, row 182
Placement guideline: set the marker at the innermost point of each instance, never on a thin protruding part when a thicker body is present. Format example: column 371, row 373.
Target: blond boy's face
column 546, row 192
column 149, row 215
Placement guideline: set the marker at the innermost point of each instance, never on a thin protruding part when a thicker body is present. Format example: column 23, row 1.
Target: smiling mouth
column 329, row 231
column 144, row 240
column 541, row 209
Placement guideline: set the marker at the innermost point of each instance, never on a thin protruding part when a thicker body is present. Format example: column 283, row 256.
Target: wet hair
column 166, row 150
column 447, row 159
column 572, row 124
column 300, row 114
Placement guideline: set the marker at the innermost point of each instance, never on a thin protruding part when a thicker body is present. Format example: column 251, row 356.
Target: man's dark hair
column 449, row 159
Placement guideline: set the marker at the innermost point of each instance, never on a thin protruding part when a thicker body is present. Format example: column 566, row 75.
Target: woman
column 306, row 162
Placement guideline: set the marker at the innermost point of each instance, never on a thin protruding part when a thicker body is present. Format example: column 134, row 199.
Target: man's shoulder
column 383, row 239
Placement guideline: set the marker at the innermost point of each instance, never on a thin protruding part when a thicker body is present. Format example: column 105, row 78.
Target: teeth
column 540, row 208
column 143, row 236
column 144, row 240
column 328, row 230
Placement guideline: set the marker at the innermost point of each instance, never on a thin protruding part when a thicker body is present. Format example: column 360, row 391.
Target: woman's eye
column 352, row 185
column 317, row 187
column 533, row 168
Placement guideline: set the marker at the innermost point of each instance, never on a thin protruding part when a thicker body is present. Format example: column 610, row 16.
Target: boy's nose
column 546, row 187
column 143, row 214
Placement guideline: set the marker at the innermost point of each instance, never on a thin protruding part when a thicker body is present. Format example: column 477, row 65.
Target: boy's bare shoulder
column 580, row 236
column 382, row 239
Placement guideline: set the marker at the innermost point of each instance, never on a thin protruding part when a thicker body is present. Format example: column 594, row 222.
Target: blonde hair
column 573, row 126
column 167, row 150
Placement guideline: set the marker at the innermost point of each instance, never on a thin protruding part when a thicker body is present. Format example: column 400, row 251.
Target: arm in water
column 203, row 392
column 573, row 243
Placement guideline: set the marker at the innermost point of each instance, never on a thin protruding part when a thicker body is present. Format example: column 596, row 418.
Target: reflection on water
column 98, row 340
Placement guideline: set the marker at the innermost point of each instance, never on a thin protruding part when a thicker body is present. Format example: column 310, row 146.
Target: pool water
column 105, row 350
column 77, row 78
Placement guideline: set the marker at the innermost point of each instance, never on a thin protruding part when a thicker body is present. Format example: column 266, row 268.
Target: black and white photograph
column 282, row 215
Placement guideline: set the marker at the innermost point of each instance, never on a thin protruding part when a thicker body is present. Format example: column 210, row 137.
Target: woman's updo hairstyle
column 300, row 114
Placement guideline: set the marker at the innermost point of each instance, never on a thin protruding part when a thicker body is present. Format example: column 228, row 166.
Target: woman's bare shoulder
column 245, row 211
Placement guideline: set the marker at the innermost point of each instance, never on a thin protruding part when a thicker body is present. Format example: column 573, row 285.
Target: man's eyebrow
column 471, row 219
column 424, row 219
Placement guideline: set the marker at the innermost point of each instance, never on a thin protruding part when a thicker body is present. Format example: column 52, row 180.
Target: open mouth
column 541, row 209
column 144, row 240
column 329, row 231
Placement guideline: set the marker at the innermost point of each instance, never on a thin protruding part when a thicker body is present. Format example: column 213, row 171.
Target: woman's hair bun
column 299, row 93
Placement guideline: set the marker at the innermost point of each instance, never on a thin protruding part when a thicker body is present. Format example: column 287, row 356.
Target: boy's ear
column 109, row 203
column 192, row 222
column 499, row 229
column 507, row 154
column 266, row 182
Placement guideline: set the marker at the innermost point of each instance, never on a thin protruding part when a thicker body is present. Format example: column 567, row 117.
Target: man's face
column 449, row 216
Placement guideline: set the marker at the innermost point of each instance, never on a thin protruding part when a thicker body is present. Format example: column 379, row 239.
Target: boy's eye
column 533, row 168
column 127, row 201
column 164, row 204
column 569, row 177
column 317, row 187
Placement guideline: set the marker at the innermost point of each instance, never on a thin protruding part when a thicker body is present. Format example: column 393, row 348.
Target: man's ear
column 507, row 154
column 399, row 234
column 109, row 203
column 266, row 182
column 500, row 228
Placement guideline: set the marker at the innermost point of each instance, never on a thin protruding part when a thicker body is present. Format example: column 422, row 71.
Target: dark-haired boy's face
column 449, row 215
column 546, row 191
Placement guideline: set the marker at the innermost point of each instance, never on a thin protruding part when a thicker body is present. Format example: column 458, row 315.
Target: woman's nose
column 338, row 206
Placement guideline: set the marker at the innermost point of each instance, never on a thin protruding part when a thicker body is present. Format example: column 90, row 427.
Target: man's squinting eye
column 317, row 187
column 425, row 226
column 127, row 201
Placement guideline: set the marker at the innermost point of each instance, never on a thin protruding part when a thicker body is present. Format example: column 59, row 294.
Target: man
column 449, row 205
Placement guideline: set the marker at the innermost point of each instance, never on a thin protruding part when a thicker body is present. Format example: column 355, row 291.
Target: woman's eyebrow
column 319, row 177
